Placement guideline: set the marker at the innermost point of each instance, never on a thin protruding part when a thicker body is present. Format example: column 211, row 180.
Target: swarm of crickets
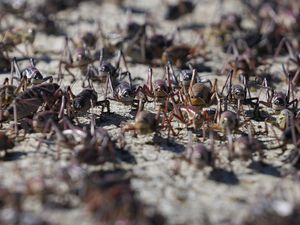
column 185, row 100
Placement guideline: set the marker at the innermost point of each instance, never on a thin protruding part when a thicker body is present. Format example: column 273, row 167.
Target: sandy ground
column 180, row 191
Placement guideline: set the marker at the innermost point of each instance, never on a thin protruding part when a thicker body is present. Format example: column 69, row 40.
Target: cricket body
column 238, row 92
column 31, row 74
column 124, row 93
column 229, row 121
column 106, row 70
column 96, row 148
column 279, row 101
column 194, row 116
column 28, row 102
column 201, row 156
column 41, row 121
column 245, row 146
column 179, row 54
column 200, row 93
column 81, row 60
column 85, row 100
column 240, row 69
column 284, row 119
column 5, row 142
column 145, row 123
column 159, row 89
column 12, row 38
column 185, row 78
column 7, row 94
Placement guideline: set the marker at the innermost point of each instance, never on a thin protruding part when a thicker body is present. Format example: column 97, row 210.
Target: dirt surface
column 178, row 190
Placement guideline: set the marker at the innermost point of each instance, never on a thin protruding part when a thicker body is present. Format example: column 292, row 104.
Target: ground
column 180, row 191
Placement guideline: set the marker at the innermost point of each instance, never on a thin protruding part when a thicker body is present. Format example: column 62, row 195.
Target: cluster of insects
column 236, row 106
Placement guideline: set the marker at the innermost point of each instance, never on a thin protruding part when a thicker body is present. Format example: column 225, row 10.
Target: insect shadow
column 107, row 179
column 200, row 67
column 126, row 156
column 221, row 175
column 168, row 144
column 13, row 156
column 192, row 26
column 265, row 168
column 111, row 119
